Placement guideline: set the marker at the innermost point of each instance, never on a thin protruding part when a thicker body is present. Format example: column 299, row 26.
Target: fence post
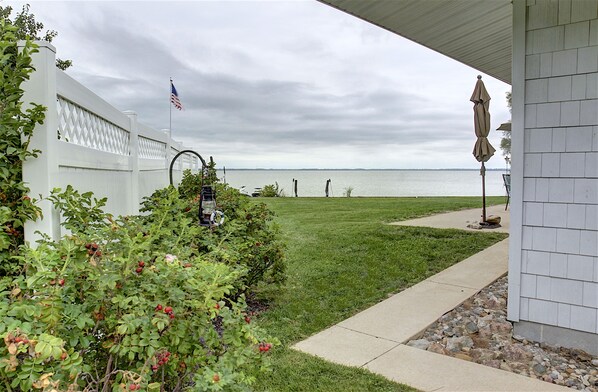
column 41, row 173
column 168, row 145
column 133, row 161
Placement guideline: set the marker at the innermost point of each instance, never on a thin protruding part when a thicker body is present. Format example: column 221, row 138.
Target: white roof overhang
column 477, row 33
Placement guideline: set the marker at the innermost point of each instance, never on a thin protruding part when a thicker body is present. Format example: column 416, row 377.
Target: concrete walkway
column 374, row 339
column 460, row 219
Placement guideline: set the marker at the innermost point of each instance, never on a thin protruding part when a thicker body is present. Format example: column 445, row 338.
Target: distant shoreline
column 358, row 169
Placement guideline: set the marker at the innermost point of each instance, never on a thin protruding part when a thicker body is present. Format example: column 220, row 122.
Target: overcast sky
column 276, row 84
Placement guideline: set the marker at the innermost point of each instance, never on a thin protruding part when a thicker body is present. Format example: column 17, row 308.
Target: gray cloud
column 261, row 91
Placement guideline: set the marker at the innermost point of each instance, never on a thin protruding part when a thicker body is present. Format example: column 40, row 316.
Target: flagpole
column 170, row 107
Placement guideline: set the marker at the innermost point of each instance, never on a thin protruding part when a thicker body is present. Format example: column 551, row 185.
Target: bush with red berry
column 127, row 304
column 249, row 240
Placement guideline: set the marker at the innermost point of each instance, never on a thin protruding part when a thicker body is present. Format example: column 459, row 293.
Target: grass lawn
column 342, row 258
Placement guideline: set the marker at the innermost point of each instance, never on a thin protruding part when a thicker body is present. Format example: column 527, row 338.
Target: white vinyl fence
column 89, row 144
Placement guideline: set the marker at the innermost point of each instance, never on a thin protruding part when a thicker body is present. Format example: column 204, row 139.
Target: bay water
column 384, row 183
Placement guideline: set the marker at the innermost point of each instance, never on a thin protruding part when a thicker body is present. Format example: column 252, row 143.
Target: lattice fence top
column 151, row 149
column 80, row 126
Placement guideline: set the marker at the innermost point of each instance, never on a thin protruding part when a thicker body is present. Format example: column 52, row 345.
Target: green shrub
column 348, row 191
column 16, row 129
column 121, row 303
column 271, row 190
column 248, row 241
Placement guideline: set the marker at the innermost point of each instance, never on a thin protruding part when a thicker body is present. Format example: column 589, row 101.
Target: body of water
column 371, row 182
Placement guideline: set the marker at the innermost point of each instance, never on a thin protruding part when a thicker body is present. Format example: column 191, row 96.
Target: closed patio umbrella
column 483, row 150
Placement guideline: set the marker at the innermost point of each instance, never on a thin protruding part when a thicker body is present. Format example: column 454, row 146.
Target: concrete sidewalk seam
column 384, row 353
column 368, row 334
column 455, row 285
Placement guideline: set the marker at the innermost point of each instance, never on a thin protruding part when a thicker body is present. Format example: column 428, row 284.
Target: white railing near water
column 91, row 145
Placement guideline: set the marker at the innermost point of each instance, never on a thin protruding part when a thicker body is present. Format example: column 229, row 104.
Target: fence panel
column 91, row 145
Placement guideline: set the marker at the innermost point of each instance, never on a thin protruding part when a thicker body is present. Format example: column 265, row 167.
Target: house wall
column 556, row 290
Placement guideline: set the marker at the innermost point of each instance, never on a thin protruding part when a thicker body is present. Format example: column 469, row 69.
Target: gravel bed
column 478, row 331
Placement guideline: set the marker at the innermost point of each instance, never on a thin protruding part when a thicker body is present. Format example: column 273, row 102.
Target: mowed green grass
column 342, row 257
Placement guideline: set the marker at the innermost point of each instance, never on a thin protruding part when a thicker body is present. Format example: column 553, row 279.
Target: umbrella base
column 492, row 222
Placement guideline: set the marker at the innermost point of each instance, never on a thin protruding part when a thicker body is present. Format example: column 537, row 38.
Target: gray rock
column 422, row 344
column 501, row 327
column 456, row 344
column 554, row 374
column 539, row 369
column 471, row 327
column 516, row 352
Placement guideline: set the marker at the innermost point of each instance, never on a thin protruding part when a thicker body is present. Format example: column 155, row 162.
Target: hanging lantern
column 209, row 215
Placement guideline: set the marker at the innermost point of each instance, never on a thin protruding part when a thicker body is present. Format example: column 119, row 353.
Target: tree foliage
column 16, row 129
column 505, row 142
column 28, row 28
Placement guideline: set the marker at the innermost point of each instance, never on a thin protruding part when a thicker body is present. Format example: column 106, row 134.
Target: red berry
column 61, row 282
column 132, row 387
column 217, row 306
column 87, row 246
column 18, row 339
column 159, row 307
column 167, row 310
column 187, row 265
column 90, row 252
column 64, row 356
column 247, row 319
column 26, row 198
column 141, row 264
column 98, row 253
column 216, row 377
column 139, row 270
column 93, row 246
column 171, row 315
column 155, row 367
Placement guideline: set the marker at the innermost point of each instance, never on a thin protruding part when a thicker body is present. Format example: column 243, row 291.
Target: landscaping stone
column 422, row 344
column 479, row 331
column 457, row 344
column 437, row 348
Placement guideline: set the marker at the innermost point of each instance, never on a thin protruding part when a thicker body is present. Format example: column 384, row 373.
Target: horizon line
column 363, row 169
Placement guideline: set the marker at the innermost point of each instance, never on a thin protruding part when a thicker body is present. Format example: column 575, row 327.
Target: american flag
column 174, row 97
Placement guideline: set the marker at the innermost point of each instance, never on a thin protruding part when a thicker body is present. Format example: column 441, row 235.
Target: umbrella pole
column 483, row 172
